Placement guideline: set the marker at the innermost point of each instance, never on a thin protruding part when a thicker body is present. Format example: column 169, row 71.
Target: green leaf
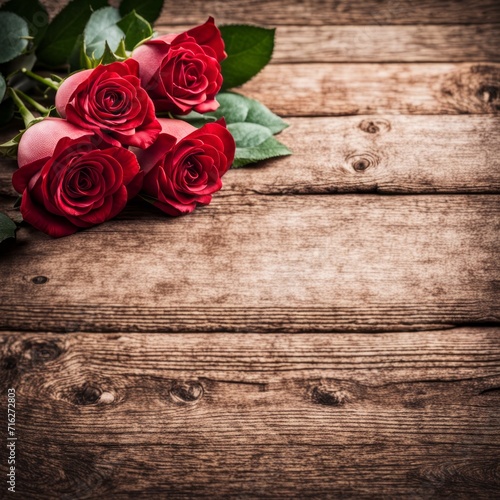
column 79, row 58
column 12, row 69
column 249, row 49
column 33, row 12
column 109, row 56
column 136, row 29
column 195, row 119
column 148, row 9
column 254, row 143
column 7, row 228
column 251, row 124
column 236, row 108
column 102, row 28
column 13, row 30
column 57, row 45
column 3, row 87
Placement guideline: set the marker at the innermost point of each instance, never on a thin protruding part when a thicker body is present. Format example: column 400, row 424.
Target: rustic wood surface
column 453, row 154
column 349, row 89
column 257, row 416
column 370, row 264
column 375, row 43
column 306, row 335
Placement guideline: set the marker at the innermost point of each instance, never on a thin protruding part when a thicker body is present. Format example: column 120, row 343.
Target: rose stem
column 41, row 79
column 35, row 104
column 23, row 110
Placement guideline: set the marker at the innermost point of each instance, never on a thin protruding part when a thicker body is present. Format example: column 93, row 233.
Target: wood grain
column 381, row 43
column 453, row 154
column 412, row 415
column 254, row 264
column 240, row 402
column 321, row 12
column 373, row 44
column 347, row 89
column 383, row 154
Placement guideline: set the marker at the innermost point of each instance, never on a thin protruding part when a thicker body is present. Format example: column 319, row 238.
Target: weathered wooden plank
column 348, row 89
column 385, row 154
column 321, row 12
column 382, row 43
column 256, row 416
column 265, row 263
column 284, row 470
column 426, row 43
column 444, row 356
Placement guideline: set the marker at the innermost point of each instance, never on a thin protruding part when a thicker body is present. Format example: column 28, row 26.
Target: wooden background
column 328, row 327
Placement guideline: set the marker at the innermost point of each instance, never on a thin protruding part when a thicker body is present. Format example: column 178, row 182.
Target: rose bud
column 181, row 72
column 184, row 166
column 70, row 179
column 110, row 101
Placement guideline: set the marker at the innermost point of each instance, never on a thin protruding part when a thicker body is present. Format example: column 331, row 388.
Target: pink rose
column 110, row 101
column 184, row 166
column 181, row 72
column 70, row 179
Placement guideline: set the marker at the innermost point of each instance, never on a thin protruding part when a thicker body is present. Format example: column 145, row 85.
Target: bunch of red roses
column 108, row 146
column 139, row 115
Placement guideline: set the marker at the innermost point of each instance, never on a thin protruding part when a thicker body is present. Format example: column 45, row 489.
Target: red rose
column 69, row 179
column 184, row 166
column 181, row 72
column 110, row 101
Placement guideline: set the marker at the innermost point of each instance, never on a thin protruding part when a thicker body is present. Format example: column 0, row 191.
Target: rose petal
column 45, row 221
column 41, row 138
column 208, row 34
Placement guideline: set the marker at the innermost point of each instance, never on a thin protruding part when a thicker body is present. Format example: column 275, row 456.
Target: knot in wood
column 42, row 352
column 472, row 89
column 9, row 363
column 86, row 395
column 187, row 392
column 362, row 162
column 489, row 94
column 40, row 280
column 375, row 126
column 327, row 396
